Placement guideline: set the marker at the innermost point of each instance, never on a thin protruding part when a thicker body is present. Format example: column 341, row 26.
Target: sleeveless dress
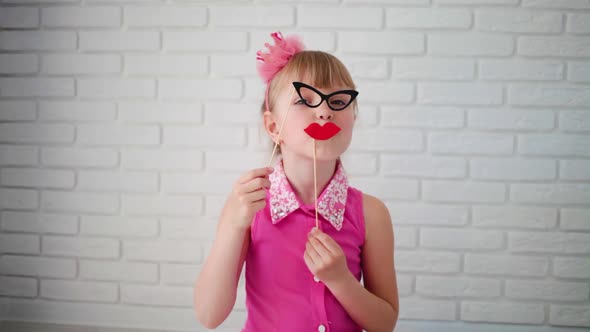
column 281, row 292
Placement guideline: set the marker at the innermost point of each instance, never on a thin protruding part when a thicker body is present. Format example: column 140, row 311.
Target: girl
column 300, row 277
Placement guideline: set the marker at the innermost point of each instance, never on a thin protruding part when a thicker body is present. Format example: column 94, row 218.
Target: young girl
column 300, row 277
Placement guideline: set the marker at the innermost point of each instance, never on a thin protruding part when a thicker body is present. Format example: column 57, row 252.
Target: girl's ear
column 271, row 126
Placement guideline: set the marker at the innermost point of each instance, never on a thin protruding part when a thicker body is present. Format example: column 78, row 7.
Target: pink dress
column 281, row 292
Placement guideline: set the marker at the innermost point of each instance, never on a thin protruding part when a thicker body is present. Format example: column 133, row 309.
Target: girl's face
column 295, row 139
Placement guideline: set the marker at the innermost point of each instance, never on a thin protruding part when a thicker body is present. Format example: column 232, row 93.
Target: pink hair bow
column 270, row 63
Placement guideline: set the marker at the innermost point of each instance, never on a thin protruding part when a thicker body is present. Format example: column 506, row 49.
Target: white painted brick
column 549, row 242
column 233, row 113
column 35, row 222
column 313, row 40
column 224, row 65
column 115, row 226
column 38, row 266
column 457, row 287
column 564, row 193
column 168, row 159
column 518, row 21
column 68, row 64
column 162, row 205
column 556, row 4
column 405, row 285
column 359, row 163
column 554, row 46
column 74, row 17
column 207, row 89
column 405, row 237
column 513, row 119
column 546, row 290
column 214, row 205
column 197, row 183
column 477, row 2
column 118, row 134
column 253, row 16
column 388, row 92
column 554, row 145
column 366, row 67
column 12, row 155
column 18, row 63
column 388, row 188
column 205, row 41
column 475, row 44
column 36, row 87
column 422, row 117
column 78, row 157
column 169, row 112
column 433, row 68
column 382, row 42
column 258, row 140
column 116, row 88
column 176, row 228
column 166, row 64
column 19, row 17
column 389, row 2
column 204, row 136
column 505, row 312
column 442, row 238
column 79, row 290
column 117, row 181
column 422, row 309
column 569, row 315
column 119, row 40
column 427, row 18
column 574, row 170
column 571, row 267
column 521, row 70
column 118, row 271
column 79, row 202
column 578, row 23
column 17, row 110
column 578, row 71
column 506, row 265
column 165, row 16
column 30, row 177
column 425, row 214
column 37, row 40
column 423, row 166
column 515, row 217
column 344, row 17
column 254, row 91
column 512, row 169
column 90, row 247
column 574, row 120
column 541, row 95
column 575, row 219
column 18, row 199
column 157, row 295
column 427, row 261
column 471, row 143
column 19, row 244
column 238, row 161
column 179, row 274
column 460, row 93
column 378, row 139
column 476, row 192
column 187, row 251
column 76, row 111
column 16, row 286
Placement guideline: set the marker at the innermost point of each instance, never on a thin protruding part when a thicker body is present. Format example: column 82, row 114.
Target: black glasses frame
column 351, row 93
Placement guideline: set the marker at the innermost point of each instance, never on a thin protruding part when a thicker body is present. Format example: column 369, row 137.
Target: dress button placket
column 319, row 293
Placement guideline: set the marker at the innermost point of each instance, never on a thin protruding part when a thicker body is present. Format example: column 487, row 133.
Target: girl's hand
column 324, row 257
column 247, row 198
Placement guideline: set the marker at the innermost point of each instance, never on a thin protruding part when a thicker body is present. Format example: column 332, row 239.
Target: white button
column 316, row 279
column 321, row 328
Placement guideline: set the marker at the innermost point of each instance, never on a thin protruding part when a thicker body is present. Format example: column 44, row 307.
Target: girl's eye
column 300, row 101
column 338, row 102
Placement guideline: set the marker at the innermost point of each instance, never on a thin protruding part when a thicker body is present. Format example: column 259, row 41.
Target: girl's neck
column 299, row 171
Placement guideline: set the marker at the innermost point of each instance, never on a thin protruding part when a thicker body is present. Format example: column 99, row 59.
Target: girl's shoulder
column 376, row 215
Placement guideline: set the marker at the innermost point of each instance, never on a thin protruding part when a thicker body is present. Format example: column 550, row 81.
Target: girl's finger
column 254, row 185
column 326, row 241
column 310, row 250
column 255, row 173
column 255, row 196
column 319, row 247
column 308, row 261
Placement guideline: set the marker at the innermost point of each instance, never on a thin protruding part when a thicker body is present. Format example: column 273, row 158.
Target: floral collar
column 331, row 203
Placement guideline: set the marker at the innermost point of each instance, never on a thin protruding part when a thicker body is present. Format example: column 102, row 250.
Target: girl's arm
column 374, row 307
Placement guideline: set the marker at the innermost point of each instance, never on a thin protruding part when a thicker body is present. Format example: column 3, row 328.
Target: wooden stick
column 281, row 130
column 315, row 187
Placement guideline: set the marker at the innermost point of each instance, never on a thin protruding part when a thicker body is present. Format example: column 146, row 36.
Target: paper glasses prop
column 311, row 97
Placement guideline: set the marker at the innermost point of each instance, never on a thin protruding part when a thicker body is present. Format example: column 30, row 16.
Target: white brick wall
column 123, row 124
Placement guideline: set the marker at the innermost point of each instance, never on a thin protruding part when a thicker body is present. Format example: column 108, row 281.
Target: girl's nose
column 324, row 113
